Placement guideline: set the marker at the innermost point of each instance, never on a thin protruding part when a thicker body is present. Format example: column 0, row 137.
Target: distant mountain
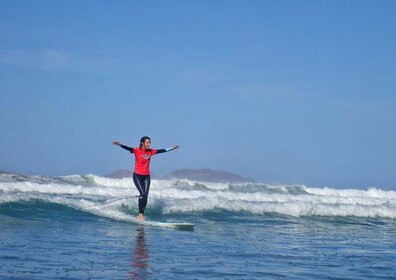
column 202, row 175
column 125, row 173
column 120, row 173
column 8, row 172
column 207, row 175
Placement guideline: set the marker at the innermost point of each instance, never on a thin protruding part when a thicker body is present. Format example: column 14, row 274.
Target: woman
column 141, row 174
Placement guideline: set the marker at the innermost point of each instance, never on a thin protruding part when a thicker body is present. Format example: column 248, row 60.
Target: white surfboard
column 180, row 226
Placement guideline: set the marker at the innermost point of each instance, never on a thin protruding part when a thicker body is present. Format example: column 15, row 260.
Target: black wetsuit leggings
column 142, row 183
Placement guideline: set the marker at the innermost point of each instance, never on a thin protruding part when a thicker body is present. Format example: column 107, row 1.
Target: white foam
column 96, row 194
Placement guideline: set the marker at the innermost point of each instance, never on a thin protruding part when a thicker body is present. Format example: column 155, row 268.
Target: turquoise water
column 72, row 228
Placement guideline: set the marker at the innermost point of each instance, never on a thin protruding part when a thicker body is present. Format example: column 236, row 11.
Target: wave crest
column 107, row 197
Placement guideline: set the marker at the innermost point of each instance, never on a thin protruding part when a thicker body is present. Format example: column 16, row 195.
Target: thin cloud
column 59, row 60
column 56, row 58
column 36, row 59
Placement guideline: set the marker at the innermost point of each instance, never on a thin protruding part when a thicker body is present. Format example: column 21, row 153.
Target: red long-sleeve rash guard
column 142, row 158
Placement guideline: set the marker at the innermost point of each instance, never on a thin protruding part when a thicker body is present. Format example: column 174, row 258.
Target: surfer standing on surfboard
column 141, row 173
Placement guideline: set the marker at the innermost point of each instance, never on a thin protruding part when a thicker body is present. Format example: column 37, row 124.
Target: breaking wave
column 116, row 198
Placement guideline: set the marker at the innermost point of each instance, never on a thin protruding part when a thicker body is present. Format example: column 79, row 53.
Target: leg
column 142, row 183
column 143, row 198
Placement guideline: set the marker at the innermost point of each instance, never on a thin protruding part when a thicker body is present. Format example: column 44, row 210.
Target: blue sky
column 294, row 92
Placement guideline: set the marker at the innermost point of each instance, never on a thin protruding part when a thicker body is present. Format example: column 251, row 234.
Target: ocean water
column 80, row 227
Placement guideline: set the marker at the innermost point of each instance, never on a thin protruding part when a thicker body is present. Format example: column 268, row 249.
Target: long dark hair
column 143, row 139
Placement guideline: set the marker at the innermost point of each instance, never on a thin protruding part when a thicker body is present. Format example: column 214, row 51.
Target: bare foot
column 140, row 217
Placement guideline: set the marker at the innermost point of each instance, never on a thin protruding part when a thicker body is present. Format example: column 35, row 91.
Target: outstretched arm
column 167, row 149
column 117, row 143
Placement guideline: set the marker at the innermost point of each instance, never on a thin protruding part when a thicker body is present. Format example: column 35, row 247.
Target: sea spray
column 110, row 197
